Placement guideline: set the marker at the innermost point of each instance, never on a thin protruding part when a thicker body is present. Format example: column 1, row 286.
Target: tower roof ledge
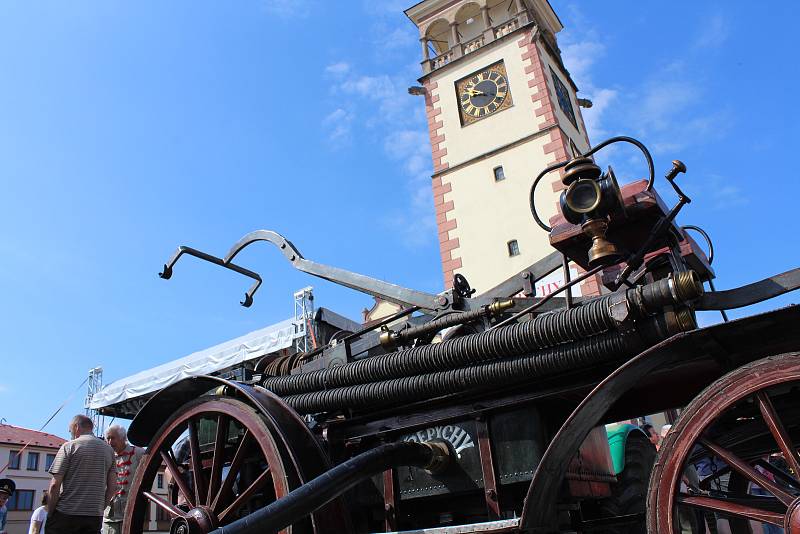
column 423, row 11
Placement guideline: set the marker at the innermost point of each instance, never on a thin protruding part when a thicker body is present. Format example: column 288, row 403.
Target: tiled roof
column 15, row 435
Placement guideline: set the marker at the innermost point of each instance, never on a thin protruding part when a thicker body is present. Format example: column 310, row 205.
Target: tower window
column 513, row 248
column 499, row 175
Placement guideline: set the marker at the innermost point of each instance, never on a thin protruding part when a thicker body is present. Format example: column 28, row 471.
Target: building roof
column 16, row 435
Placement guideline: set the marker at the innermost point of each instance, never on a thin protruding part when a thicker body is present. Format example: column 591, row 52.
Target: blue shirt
column 3, row 517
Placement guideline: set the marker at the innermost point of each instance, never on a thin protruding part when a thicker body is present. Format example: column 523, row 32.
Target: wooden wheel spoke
column 236, row 465
column 215, row 479
column 175, row 473
column 732, row 508
column 197, row 463
column 244, row 496
column 778, row 431
column 745, row 469
column 163, row 504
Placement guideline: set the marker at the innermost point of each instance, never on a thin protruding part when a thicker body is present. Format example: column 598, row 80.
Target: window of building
column 499, row 174
column 13, row 460
column 21, row 500
column 33, row 461
column 564, row 101
column 513, row 248
column 160, row 481
column 48, row 461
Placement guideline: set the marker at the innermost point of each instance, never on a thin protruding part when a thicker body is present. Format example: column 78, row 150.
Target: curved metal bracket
column 166, row 274
column 285, row 246
column 705, row 236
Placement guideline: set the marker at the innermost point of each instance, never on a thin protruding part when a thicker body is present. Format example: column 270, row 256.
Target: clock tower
column 500, row 107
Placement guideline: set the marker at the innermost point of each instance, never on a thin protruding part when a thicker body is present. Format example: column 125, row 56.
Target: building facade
column 500, row 107
column 27, row 467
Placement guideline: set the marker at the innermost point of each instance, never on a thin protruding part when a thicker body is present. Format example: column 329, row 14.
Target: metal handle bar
column 166, row 274
column 619, row 139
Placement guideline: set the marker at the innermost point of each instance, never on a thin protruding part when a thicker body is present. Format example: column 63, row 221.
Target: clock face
column 483, row 93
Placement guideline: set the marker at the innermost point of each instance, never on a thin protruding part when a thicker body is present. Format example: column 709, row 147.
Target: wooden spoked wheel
column 733, row 454
column 221, row 460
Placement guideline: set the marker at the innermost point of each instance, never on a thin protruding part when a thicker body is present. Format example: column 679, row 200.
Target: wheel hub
column 198, row 520
column 792, row 521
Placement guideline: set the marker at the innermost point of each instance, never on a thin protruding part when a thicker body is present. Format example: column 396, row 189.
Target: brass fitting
column 388, row 339
column 686, row 286
column 500, row 306
column 603, row 251
column 580, row 168
column 440, row 456
column 679, row 320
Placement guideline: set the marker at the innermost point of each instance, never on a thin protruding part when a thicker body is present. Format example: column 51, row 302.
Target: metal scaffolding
column 303, row 316
column 94, row 384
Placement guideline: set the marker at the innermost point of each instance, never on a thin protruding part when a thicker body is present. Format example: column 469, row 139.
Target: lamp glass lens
column 584, row 196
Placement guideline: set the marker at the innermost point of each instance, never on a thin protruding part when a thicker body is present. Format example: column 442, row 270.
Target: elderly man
column 7, row 488
column 127, row 459
column 84, row 481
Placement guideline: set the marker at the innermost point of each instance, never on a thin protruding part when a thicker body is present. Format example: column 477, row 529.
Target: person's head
column 117, row 437
column 44, row 499
column 652, row 435
column 80, row 425
column 7, row 488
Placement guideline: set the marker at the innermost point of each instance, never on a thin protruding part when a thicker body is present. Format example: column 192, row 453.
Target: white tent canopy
column 204, row 362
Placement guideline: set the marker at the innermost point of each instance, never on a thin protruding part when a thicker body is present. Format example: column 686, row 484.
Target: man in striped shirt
column 127, row 460
column 84, row 480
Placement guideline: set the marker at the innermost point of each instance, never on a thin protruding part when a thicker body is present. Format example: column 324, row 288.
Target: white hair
column 119, row 431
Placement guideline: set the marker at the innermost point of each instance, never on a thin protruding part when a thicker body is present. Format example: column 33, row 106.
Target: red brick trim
column 537, row 81
column 448, row 246
column 433, row 113
column 445, row 221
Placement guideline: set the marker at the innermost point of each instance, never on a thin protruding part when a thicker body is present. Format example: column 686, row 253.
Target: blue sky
column 129, row 128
